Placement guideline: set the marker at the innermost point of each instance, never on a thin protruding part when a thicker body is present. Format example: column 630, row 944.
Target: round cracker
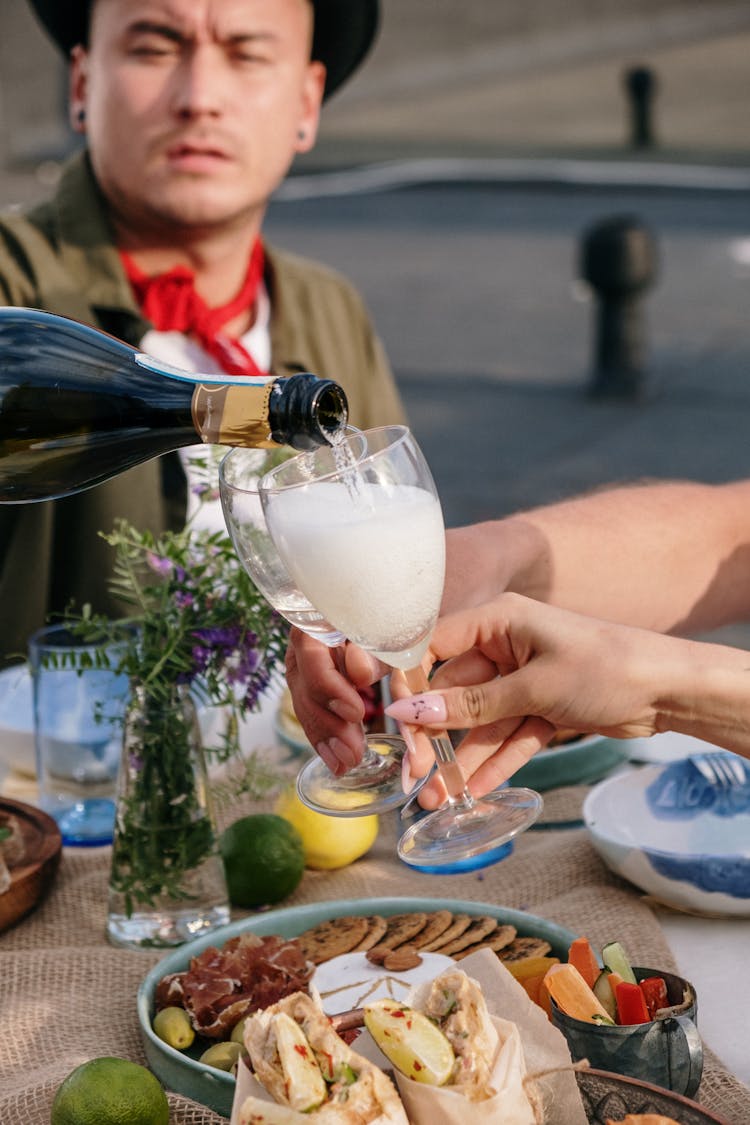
column 478, row 928
column 378, row 926
column 522, row 947
column 497, row 940
column 460, row 923
column 334, row 937
column 435, row 925
column 402, row 927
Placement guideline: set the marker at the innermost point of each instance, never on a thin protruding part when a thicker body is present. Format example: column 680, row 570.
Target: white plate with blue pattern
column 680, row 838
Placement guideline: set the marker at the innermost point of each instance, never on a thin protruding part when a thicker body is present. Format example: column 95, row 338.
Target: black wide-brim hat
column 344, row 31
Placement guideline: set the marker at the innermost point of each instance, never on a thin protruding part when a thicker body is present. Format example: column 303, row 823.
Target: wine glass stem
column 445, row 755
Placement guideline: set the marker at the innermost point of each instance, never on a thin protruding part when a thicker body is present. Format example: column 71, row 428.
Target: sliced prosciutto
column 222, row 986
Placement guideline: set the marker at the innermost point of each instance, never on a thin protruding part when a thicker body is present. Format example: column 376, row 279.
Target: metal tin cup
column 79, row 706
column 666, row 1052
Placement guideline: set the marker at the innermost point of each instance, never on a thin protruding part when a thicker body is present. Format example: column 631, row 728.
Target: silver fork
column 723, row 770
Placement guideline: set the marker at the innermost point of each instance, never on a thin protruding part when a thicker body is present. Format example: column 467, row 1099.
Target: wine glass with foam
column 361, row 532
column 375, row 784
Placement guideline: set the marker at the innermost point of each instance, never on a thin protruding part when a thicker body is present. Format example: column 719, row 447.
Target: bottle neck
column 306, row 412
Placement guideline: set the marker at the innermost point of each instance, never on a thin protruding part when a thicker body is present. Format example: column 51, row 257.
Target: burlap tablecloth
column 67, row 996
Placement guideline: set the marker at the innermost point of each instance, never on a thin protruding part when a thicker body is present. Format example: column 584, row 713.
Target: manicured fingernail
column 325, row 751
column 408, row 780
column 347, row 757
column 429, row 708
column 343, row 710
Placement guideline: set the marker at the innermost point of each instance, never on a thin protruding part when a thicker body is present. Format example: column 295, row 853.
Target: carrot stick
column 583, row 957
column 570, row 992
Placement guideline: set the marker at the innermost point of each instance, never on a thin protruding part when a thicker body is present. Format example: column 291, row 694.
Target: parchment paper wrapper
column 545, row 1086
column 440, row 1105
column 248, row 1086
column 549, row 1094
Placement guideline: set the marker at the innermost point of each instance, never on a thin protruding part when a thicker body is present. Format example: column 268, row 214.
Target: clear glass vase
column 167, row 882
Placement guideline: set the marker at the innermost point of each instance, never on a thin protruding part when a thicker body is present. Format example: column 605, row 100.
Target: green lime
column 263, row 859
column 110, row 1091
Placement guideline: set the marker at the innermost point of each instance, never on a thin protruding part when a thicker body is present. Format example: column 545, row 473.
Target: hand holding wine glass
column 374, row 784
column 364, row 539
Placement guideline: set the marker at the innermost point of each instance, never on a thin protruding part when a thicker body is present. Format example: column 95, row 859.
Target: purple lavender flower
column 158, row 563
column 183, row 600
column 245, row 666
column 201, row 658
column 221, row 637
column 257, row 684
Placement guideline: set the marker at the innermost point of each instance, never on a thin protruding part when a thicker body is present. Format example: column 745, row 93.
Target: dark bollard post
column 619, row 261
column 640, row 83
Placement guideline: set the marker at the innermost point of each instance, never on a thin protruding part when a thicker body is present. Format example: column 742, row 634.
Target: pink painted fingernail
column 429, row 708
column 407, row 780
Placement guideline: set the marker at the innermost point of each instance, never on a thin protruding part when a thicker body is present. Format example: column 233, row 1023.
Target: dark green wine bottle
column 78, row 406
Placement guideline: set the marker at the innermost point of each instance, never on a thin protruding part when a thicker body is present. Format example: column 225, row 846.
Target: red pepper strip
column 631, row 1006
column 654, row 991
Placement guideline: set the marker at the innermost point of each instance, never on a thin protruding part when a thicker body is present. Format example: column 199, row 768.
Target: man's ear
column 78, row 89
column 312, row 99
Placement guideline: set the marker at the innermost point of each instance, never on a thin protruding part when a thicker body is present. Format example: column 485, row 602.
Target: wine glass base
column 374, row 786
column 459, row 838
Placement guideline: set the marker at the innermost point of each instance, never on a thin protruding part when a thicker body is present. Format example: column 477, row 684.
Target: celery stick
column 615, row 959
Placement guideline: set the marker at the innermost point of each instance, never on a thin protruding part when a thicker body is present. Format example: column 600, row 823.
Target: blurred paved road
column 473, row 289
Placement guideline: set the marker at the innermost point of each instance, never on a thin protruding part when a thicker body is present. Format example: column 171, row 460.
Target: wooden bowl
column 31, row 878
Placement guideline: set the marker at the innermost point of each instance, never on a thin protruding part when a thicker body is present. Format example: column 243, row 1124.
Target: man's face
column 194, row 109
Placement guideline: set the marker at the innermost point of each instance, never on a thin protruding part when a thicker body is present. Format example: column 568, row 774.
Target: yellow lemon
column 109, row 1091
column 328, row 841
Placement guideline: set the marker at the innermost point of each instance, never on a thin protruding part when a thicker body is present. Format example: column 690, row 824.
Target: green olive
column 223, row 1056
column 174, row 1027
column 238, row 1031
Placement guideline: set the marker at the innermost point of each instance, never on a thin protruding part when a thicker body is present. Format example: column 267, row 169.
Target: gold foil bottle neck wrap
column 232, row 415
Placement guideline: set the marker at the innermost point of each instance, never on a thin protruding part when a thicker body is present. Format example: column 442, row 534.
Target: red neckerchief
column 169, row 301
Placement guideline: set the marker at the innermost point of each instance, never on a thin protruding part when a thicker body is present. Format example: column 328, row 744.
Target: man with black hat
column 193, row 111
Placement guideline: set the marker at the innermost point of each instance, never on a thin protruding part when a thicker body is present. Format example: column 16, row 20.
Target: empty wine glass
column 375, row 784
column 362, row 535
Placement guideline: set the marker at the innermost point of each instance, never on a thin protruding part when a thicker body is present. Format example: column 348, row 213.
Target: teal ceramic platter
column 178, row 1071
column 580, row 762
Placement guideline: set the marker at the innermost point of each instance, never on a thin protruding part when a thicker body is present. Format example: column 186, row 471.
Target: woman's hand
column 323, row 682
column 517, row 670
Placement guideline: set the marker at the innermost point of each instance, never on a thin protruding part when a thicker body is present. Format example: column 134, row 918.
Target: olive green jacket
column 61, row 257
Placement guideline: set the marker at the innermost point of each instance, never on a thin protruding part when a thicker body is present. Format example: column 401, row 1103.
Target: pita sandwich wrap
column 312, row 1075
column 488, row 1068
